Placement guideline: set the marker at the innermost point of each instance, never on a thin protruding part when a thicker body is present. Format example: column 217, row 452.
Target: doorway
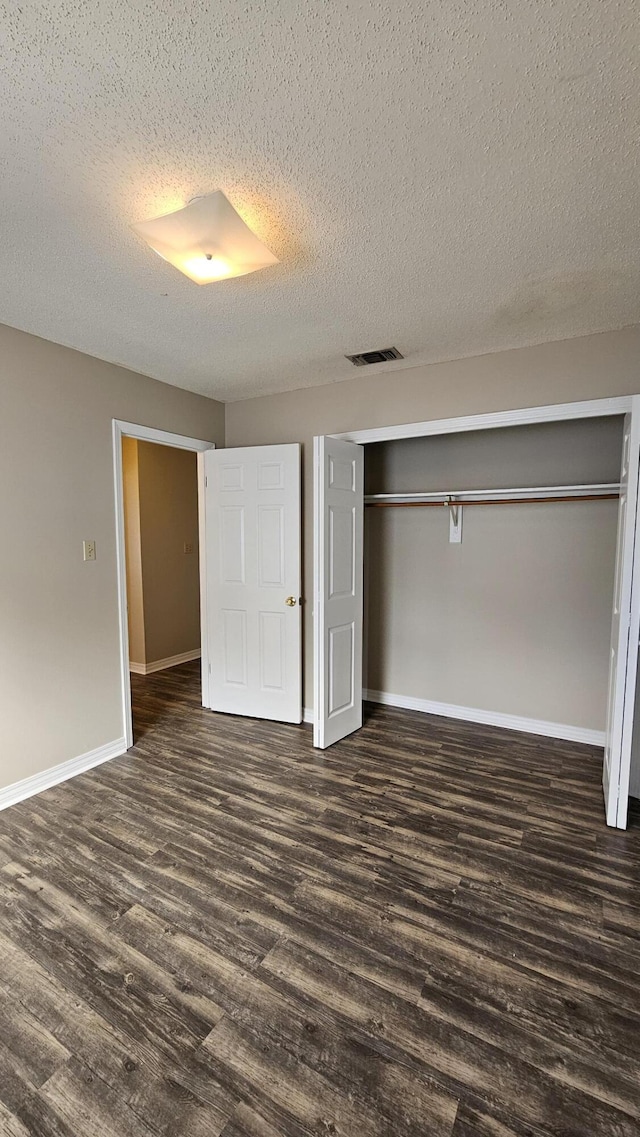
column 164, row 481
column 161, row 551
column 249, row 562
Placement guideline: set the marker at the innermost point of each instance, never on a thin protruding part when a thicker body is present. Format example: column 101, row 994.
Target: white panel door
column 252, row 601
column 624, row 632
column 338, row 589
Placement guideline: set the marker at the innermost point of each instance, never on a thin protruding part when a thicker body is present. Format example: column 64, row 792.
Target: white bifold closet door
column 251, row 594
column 625, row 629
column 338, row 589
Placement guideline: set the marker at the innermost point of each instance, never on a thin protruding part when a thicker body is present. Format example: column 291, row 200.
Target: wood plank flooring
column 426, row 931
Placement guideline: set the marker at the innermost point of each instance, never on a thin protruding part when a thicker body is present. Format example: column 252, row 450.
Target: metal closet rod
column 489, row 501
column 526, row 496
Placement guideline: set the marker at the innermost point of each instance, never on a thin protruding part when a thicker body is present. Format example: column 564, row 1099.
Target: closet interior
column 489, row 568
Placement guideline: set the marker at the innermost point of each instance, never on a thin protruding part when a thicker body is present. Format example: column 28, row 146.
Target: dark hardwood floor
column 426, row 930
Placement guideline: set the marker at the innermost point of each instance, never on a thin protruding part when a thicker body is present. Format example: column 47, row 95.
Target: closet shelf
column 529, row 495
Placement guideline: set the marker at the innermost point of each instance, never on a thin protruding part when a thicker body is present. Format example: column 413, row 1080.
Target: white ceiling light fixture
column 207, row 240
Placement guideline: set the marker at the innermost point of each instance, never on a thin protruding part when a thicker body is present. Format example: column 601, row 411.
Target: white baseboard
column 160, row 664
column 38, row 782
column 489, row 718
column 307, row 714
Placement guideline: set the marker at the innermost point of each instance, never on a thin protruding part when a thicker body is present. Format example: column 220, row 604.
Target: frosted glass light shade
column 207, row 240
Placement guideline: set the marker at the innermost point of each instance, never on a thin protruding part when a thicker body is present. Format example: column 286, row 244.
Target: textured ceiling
column 452, row 178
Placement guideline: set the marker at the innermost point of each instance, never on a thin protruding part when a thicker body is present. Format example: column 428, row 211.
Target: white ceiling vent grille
column 364, row 358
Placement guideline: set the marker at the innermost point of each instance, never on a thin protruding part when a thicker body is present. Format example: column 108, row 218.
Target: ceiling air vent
column 364, row 358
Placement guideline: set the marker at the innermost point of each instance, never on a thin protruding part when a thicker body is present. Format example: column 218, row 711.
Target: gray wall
column 543, row 454
column 517, row 618
column 589, row 367
column 59, row 651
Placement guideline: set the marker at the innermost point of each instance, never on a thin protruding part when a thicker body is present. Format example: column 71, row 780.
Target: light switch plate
column 89, row 550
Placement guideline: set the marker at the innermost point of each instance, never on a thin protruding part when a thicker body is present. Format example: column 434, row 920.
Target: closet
column 489, row 570
column 495, row 579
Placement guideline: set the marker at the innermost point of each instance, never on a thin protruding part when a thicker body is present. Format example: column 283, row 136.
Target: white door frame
column 179, row 442
column 559, row 412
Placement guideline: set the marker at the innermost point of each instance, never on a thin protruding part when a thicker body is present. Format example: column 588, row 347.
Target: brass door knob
column 291, row 601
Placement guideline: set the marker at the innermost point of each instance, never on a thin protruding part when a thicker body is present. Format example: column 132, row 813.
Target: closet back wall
column 516, row 619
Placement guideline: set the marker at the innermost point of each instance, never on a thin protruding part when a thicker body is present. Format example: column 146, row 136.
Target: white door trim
column 122, row 430
column 558, row 412
column 625, row 633
column 163, row 437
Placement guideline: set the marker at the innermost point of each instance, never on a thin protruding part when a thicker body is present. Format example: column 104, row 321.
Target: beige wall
column 516, row 619
column 170, row 581
column 585, row 368
column 59, row 651
column 133, row 549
